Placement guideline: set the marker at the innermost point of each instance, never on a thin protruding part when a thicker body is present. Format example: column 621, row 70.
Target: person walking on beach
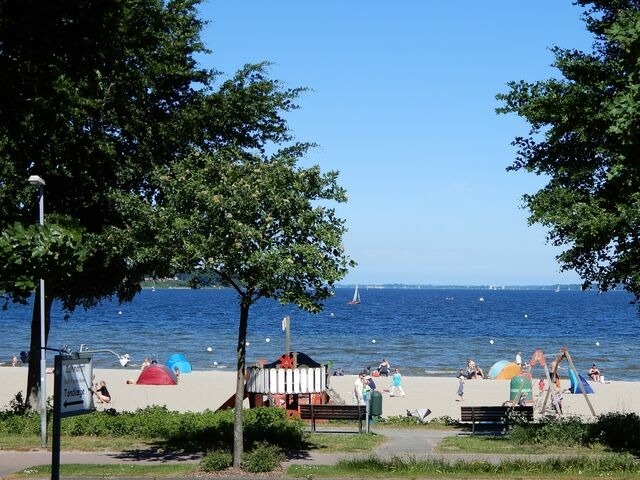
column 461, row 377
column 396, row 386
column 518, row 359
column 358, row 390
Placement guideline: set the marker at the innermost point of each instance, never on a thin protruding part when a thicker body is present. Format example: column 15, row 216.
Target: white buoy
column 526, row 316
column 247, row 344
column 215, row 364
column 209, row 349
column 119, row 312
column 491, row 341
column 597, row 344
column 373, row 341
column 267, row 339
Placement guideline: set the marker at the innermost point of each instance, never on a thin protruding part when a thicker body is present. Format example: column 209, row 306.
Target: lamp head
column 36, row 180
column 124, row 359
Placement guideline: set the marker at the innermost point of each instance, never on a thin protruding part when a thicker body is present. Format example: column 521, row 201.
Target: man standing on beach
column 358, row 390
column 461, row 377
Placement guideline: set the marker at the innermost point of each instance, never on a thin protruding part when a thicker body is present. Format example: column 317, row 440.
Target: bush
column 271, row 425
column 562, row 432
column 263, row 458
column 619, row 431
column 216, row 460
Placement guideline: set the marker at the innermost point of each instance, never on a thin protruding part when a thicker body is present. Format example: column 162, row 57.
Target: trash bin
column 375, row 405
column 520, row 385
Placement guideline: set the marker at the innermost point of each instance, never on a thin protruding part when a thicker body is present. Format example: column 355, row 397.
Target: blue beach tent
column 577, row 384
column 180, row 361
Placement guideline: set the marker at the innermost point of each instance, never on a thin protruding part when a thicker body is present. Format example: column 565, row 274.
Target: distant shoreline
column 178, row 284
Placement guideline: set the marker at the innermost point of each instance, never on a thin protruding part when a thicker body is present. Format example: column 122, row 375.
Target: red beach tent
column 157, row 375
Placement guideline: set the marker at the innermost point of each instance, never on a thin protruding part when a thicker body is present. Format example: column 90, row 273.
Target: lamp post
column 39, row 182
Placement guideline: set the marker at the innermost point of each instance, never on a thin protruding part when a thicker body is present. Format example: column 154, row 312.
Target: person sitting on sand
column 479, row 372
column 384, row 368
column 594, row 373
column 101, row 392
column 145, row 363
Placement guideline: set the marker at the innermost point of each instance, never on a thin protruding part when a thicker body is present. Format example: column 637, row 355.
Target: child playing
column 396, row 386
column 541, row 386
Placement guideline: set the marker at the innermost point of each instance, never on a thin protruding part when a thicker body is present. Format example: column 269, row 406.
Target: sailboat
column 356, row 297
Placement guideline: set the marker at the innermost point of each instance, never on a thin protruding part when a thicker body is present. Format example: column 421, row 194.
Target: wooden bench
column 494, row 415
column 333, row 412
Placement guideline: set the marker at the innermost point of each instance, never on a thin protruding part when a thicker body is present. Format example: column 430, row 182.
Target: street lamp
column 123, row 359
column 39, row 182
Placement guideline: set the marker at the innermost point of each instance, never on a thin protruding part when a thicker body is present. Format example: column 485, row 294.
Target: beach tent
column 157, row 375
column 577, row 386
column 504, row 370
column 180, row 361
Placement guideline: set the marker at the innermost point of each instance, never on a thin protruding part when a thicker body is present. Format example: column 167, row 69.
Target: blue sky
column 402, row 104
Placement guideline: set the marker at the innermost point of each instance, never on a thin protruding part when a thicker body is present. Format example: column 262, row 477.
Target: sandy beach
column 202, row 390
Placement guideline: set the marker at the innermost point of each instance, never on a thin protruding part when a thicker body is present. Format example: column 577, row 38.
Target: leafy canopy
column 585, row 139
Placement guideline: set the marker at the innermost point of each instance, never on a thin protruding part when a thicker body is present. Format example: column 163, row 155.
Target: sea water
column 421, row 331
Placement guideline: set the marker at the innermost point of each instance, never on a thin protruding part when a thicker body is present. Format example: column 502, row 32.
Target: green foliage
column 263, row 458
column 584, row 137
column 271, row 425
column 619, row 431
column 437, row 422
column 193, row 431
column 216, row 460
column 566, row 432
column 586, row 467
column 18, row 405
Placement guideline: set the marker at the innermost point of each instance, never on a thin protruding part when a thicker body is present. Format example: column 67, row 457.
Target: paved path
column 414, row 443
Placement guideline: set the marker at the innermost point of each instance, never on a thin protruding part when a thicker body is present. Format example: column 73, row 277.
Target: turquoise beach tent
column 577, row 384
column 180, row 361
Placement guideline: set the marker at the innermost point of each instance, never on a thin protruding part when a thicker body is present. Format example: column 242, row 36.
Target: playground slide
column 578, row 383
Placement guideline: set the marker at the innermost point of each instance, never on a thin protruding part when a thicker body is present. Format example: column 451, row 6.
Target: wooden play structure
column 293, row 379
column 553, row 377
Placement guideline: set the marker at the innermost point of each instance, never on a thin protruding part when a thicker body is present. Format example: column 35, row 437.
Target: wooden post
column 584, row 393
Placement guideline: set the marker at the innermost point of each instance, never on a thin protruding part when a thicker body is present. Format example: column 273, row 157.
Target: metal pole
column 43, row 349
column 36, row 180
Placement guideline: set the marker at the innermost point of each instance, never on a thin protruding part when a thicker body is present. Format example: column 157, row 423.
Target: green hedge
column 201, row 431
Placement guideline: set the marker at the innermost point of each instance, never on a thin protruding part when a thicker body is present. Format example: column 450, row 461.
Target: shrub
column 620, row 431
column 216, row 460
column 263, row 458
column 271, row 425
column 563, row 432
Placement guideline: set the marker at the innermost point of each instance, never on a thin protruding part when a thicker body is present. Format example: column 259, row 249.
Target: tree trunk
column 32, row 398
column 238, row 438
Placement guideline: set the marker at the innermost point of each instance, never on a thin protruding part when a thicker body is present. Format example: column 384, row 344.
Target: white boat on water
column 356, row 297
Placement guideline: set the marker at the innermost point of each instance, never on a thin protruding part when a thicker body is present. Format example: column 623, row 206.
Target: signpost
column 72, row 395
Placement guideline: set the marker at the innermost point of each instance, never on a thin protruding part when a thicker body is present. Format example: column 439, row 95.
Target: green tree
column 97, row 96
column 584, row 139
column 263, row 226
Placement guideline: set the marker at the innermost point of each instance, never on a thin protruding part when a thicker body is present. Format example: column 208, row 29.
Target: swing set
column 553, row 378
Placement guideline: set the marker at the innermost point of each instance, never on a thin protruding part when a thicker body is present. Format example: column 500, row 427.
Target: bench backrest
column 333, row 412
column 494, row 413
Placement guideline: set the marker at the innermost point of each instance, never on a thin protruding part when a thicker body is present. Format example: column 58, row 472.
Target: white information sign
column 76, row 396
